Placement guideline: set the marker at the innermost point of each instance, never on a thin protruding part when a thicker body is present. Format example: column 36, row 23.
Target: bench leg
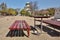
column 41, row 25
column 17, row 32
column 28, row 32
column 11, row 33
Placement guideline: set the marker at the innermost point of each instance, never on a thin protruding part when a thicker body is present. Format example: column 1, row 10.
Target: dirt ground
column 7, row 21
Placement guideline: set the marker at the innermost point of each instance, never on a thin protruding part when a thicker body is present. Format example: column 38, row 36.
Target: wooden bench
column 52, row 22
column 20, row 25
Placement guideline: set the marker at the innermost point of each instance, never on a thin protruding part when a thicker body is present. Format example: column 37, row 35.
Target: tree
column 11, row 11
column 3, row 8
column 51, row 11
column 24, row 12
column 34, row 7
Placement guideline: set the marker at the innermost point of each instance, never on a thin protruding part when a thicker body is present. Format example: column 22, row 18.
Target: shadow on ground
column 20, row 33
column 16, row 33
column 56, row 27
column 49, row 31
column 35, row 32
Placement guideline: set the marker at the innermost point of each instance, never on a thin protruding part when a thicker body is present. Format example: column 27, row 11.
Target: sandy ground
column 6, row 22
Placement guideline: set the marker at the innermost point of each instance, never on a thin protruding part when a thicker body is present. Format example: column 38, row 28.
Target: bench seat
column 17, row 25
column 20, row 25
column 52, row 22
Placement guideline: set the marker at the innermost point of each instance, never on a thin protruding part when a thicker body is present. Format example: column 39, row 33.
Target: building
column 57, row 13
column 28, row 7
column 31, row 7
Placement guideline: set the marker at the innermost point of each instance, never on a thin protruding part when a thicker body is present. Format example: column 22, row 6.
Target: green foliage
column 42, row 14
column 11, row 11
column 51, row 11
column 5, row 10
column 24, row 13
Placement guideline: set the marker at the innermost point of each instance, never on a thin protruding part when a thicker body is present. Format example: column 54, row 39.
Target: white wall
column 57, row 13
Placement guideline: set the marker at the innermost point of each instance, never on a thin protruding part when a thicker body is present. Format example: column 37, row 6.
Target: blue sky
column 42, row 4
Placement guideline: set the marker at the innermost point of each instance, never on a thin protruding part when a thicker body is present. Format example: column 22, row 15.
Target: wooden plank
column 27, row 25
column 52, row 22
column 12, row 25
column 19, row 25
